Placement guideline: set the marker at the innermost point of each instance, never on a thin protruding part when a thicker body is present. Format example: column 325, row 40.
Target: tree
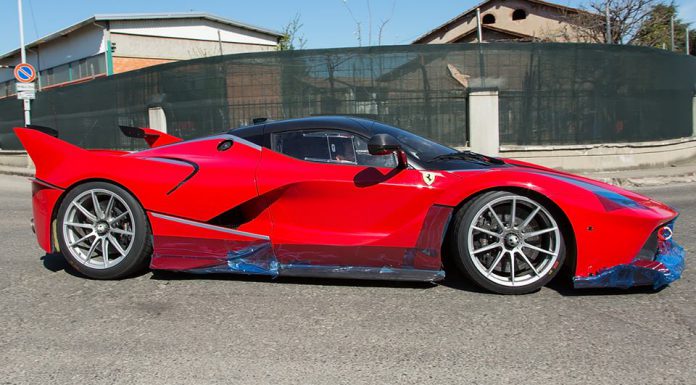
column 655, row 30
column 358, row 24
column 626, row 18
column 292, row 38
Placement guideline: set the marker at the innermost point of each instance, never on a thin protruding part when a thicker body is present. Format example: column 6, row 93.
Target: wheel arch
column 566, row 227
column 61, row 198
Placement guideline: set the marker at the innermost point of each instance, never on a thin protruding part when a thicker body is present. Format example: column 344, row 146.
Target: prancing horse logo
column 428, row 177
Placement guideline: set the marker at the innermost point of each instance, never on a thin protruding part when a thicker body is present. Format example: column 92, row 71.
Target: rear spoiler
column 44, row 129
column 153, row 138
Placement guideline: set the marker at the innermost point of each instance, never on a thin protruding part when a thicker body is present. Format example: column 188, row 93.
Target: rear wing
column 153, row 138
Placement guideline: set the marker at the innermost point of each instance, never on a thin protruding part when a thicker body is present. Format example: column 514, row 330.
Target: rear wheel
column 103, row 232
column 508, row 243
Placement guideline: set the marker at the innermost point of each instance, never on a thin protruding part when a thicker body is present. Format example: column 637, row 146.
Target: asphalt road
column 56, row 327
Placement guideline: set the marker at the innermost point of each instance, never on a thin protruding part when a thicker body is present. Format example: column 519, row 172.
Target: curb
column 17, row 171
column 648, row 181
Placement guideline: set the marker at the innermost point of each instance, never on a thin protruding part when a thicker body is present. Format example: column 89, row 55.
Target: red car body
column 249, row 209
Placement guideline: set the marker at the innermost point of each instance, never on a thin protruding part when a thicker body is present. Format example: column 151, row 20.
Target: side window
column 329, row 147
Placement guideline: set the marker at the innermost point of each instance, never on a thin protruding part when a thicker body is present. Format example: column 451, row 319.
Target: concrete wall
column 14, row 159
column 135, row 46
column 484, row 135
column 604, row 157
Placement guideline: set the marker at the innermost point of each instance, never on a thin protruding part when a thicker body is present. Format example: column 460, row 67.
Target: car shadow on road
column 565, row 288
column 165, row 275
column 55, row 262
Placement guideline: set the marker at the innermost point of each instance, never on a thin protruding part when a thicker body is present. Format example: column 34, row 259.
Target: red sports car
column 340, row 197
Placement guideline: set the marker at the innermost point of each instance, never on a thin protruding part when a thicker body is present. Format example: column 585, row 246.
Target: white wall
column 195, row 29
column 82, row 43
column 134, row 46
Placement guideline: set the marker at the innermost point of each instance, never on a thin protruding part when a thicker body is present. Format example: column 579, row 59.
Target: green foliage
column 655, row 30
column 292, row 38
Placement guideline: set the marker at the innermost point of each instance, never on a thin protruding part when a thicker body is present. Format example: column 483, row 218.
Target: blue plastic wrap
column 254, row 260
column 256, row 256
column 665, row 269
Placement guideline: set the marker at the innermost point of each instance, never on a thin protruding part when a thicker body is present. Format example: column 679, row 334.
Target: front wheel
column 102, row 231
column 508, row 243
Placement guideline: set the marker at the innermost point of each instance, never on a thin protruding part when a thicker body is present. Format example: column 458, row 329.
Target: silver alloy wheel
column 99, row 228
column 513, row 241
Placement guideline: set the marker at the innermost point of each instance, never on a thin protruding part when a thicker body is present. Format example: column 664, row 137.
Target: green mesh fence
column 550, row 94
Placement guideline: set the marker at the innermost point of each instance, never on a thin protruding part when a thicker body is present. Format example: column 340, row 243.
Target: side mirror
column 385, row 144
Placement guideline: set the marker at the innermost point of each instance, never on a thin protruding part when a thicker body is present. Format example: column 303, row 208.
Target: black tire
column 134, row 257
column 472, row 211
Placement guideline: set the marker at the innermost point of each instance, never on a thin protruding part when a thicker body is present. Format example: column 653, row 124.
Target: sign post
column 28, row 71
column 25, row 74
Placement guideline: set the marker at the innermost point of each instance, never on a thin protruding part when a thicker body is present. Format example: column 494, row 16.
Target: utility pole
column 671, row 33
column 478, row 25
column 608, row 17
column 687, row 41
column 22, row 50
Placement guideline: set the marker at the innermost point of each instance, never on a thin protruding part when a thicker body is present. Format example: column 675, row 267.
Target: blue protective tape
column 253, row 260
column 665, row 269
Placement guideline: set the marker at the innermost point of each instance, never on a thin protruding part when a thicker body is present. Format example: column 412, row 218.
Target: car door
column 334, row 204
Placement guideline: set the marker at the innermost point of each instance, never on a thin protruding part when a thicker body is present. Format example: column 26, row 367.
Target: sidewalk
column 681, row 172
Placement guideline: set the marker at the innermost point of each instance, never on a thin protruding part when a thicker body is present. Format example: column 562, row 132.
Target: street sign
column 25, row 73
column 26, row 91
column 26, row 87
column 26, row 95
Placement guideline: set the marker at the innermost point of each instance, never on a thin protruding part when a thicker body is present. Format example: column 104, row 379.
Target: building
column 109, row 44
column 510, row 20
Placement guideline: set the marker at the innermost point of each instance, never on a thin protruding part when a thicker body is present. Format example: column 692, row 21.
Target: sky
column 326, row 23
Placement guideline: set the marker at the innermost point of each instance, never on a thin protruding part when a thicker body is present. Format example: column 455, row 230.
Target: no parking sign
column 25, row 73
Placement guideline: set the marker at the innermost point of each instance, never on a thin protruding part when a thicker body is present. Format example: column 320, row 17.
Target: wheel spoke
column 92, row 234
column 540, row 232
column 122, row 232
column 496, row 262
column 529, row 218
column 116, row 245
column 80, row 225
column 497, row 218
column 486, row 248
column 105, row 251
column 526, row 260
column 119, row 217
column 91, row 249
column 512, row 267
column 97, row 208
column 512, row 213
column 85, row 212
column 109, row 207
column 492, row 233
column 539, row 249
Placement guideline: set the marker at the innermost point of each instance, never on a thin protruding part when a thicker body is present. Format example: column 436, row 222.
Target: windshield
column 420, row 148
